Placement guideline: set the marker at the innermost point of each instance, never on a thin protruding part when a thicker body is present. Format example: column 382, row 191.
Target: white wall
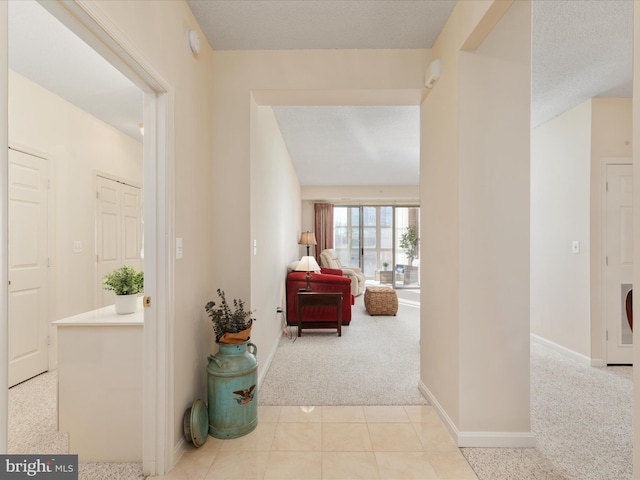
column 76, row 145
column 475, row 220
column 566, row 204
column 560, row 194
column 275, row 228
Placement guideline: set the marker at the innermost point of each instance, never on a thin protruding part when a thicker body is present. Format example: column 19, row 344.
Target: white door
column 618, row 262
column 28, row 266
column 118, row 230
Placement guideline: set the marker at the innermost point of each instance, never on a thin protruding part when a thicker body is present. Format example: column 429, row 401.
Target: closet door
column 118, row 231
column 28, row 266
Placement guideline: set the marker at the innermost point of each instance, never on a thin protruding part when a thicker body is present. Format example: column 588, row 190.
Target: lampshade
column 307, row 238
column 308, row 264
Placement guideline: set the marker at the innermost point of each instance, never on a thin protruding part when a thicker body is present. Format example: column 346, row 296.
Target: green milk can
column 233, row 392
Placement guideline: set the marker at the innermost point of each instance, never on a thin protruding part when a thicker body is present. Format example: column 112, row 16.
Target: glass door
column 381, row 240
column 407, row 248
column 347, row 234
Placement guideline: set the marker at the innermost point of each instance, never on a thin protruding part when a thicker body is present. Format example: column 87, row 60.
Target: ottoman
column 381, row 301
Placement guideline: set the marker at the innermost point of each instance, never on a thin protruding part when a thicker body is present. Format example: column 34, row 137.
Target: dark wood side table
column 319, row 299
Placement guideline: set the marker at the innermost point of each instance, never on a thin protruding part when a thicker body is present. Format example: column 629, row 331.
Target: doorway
column 28, row 303
column 618, row 261
column 90, row 25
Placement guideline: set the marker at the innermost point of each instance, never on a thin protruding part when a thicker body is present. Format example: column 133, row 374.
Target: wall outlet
column 77, row 246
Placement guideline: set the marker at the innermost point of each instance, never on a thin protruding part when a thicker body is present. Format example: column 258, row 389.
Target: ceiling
column 580, row 49
column 48, row 53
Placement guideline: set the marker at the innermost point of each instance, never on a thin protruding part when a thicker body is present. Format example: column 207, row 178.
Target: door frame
column 90, row 23
column 603, row 251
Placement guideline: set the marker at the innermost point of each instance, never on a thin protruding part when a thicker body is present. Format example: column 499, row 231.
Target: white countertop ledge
column 104, row 317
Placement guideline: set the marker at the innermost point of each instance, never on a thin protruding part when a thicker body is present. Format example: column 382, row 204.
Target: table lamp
column 307, row 238
column 308, row 264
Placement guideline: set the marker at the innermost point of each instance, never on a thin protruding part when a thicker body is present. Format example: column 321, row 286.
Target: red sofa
column 329, row 280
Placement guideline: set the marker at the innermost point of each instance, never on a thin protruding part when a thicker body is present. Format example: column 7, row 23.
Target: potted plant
column 126, row 282
column 409, row 243
column 385, row 264
column 230, row 325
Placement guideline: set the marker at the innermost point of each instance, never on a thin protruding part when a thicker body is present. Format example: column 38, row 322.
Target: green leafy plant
column 124, row 281
column 385, row 264
column 226, row 319
column 409, row 243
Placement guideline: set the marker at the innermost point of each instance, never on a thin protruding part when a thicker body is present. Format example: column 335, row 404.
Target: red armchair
column 329, row 280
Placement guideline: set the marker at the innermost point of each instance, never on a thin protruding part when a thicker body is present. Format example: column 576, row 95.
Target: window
column 370, row 237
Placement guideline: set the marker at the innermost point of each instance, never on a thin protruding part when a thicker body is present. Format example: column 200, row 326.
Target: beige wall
column 156, row 33
column 76, row 145
column 275, row 228
column 475, row 215
column 560, row 193
column 568, row 154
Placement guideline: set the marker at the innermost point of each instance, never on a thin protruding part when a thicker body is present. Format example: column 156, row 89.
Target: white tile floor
column 390, row 442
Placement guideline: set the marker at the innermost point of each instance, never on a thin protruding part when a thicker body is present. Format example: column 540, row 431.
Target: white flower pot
column 126, row 304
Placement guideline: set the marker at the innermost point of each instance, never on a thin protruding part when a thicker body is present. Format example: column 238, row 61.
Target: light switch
column 77, row 246
column 178, row 248
column 575, row 246
column 255, row 247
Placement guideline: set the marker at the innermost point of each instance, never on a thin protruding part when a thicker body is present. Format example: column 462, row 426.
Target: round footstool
column 381, row 301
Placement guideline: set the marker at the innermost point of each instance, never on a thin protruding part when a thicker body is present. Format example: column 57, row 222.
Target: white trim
column 267, row 363
column 178, row 450
column 496, row 440
column 4, row 200
column 115, row 178
column 579, row 357
column 444, row 417
column 478, row 439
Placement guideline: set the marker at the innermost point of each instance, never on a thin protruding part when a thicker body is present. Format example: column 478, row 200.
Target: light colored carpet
column 375, row 362
column 581, row 417
column 33, row 418
column 33, row 421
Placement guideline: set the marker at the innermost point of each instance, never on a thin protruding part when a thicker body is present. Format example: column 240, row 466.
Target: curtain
column 323, row 227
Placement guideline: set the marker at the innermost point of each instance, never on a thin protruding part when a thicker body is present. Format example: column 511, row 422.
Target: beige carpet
column 33, row 429
column 581, row 417
column 375, row 362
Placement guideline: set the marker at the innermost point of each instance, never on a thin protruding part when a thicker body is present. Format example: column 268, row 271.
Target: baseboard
column 564, row 350
column 178, row 450
column 478, row 439
column 267, row 363
column 444, row 417
column 496, row 440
